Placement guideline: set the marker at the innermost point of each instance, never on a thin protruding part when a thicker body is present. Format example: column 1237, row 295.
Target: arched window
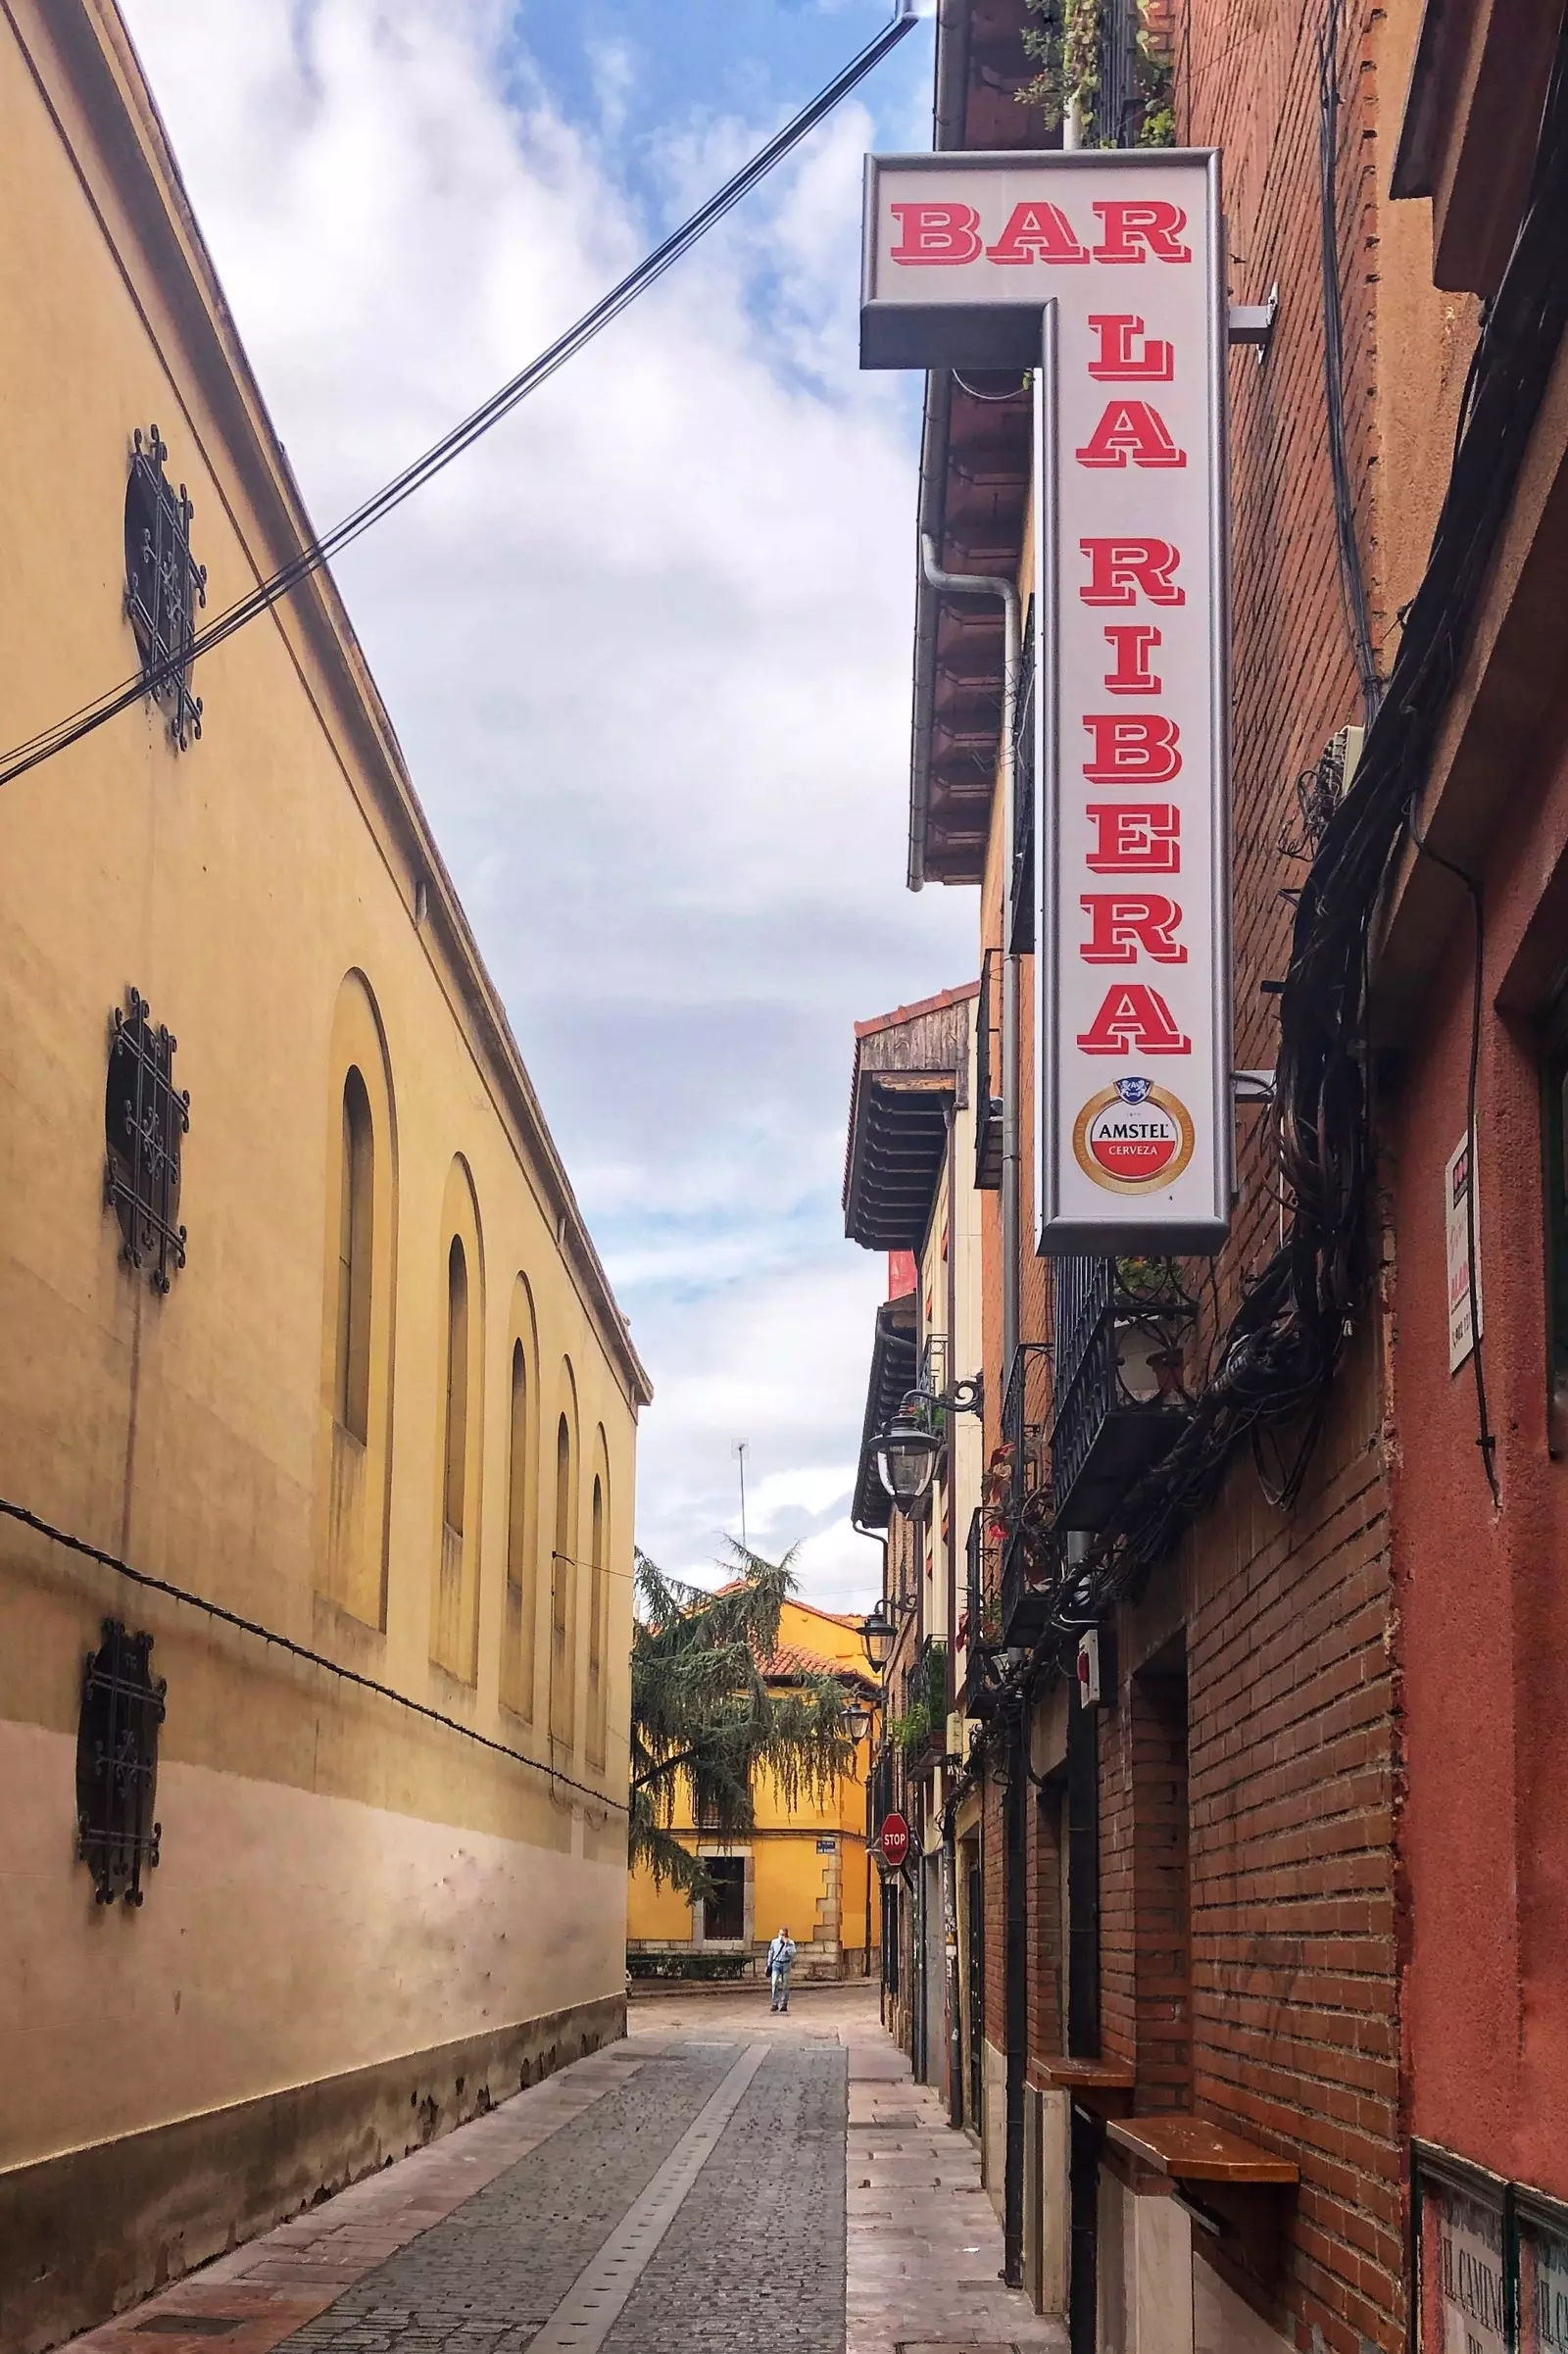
column 449, row 1644
column 561, row 1566
column 350, row 1387
column 455, row 1457
column 353, row 1456
column 517, row 1660
column 596, row 1627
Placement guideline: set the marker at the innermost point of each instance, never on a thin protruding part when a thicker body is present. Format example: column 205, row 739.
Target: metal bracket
column 1254, row 322
column 1252, row 1087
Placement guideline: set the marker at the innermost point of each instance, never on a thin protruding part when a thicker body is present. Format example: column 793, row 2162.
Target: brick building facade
column 1236, row 2091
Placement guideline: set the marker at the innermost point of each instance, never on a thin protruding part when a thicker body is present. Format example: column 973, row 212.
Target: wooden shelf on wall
column 1193, row 2150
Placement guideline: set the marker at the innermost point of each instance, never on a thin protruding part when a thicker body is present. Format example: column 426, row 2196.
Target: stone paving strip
column 589, row 2311
column 487, row 2278
column 924, row 2252
column 269, row 2287
column 724, row 2183
column 755, row 2261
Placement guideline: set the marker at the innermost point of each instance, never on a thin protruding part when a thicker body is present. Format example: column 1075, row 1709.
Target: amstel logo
column 1134, row 1137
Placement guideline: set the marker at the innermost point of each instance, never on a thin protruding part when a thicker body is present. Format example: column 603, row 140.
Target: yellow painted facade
column 387, row 1408
column 803, row 1866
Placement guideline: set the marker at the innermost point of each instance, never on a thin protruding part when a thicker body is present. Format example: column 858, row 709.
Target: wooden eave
column 911, row 1072
column 974, row 489
column 893, row 1354
column 1468, row 136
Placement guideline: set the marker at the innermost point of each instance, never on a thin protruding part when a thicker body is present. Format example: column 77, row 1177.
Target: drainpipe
column 1015, row 1803
column 985, row 584
column 950, row 1934
column 1015, row 1932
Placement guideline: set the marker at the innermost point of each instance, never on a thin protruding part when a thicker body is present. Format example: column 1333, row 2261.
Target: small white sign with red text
column 1102, row 270
column 1461, row 1215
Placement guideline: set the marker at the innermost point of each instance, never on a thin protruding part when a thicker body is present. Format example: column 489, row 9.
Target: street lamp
column 906, row 1455
column 857, row 1721
column 878, row 1634
column 906, row 1451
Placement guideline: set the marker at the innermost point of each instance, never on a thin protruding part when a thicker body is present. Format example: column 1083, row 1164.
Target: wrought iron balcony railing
column 1119, row 99
column 988, row 1075
column 1026, row 1577
column 1121, row 1392
column 982, row 1605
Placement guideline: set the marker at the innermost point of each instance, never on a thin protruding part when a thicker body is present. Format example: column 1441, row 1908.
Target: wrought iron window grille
column 163, row 585
column 144, row 1119
column 987, row 1106
column 117, row 1764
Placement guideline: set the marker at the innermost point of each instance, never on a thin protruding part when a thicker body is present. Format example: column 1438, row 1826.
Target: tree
column 701, row 1705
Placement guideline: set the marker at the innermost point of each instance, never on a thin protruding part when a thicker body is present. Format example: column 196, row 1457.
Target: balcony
column 1122, row 1328
column 1028, row 1553
column 1121, row 93
column 982, row 1619
column 988, row 1076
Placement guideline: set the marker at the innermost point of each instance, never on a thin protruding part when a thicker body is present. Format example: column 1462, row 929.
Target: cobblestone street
column 722, row 2183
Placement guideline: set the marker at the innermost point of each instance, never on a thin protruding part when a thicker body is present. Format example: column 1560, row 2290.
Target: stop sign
column 894, row 1839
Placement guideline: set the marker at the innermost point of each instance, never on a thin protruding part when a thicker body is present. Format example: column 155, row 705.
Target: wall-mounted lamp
column 879, row 1632
column 906, row 1451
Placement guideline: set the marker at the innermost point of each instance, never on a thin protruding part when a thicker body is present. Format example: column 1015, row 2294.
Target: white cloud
column 647, row 648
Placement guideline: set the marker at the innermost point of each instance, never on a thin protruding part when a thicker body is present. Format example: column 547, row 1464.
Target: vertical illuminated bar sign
column 1133, row 828
column 1102, row 270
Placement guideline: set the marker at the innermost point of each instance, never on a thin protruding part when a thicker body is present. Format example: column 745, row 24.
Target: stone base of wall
column 87, row 2234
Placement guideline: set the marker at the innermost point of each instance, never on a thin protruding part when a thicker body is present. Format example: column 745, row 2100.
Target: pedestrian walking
column 781, row 1954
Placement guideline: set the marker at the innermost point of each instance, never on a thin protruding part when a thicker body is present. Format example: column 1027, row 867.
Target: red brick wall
column 1294, row 1966
column 1156, row 1720
column 1118, row 2007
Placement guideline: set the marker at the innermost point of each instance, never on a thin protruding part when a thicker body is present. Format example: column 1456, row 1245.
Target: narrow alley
column 722, row 2179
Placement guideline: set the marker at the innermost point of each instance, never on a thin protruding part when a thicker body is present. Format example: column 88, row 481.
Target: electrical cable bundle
column 1277, row 1358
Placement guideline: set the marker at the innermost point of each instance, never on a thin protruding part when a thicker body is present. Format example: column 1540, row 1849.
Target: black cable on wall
column 1276, row 1361
column 1353, row 577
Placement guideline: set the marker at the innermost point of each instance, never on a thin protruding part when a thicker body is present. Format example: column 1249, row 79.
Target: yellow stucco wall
column 341, row 1883
column 806, row 1867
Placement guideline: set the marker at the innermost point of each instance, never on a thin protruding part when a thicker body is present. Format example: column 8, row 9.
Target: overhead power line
column 318, row 552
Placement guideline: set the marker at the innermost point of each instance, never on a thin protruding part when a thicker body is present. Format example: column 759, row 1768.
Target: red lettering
column 1118, row 362
column 1131, row 642
column 1134, row 1020
column 1131, row 227
column 1037, row 232
column 1119, row 567
column 1130, row 429
column 936, row 235
column 1135, row 837
column 1136, row 748
column 1119, row 927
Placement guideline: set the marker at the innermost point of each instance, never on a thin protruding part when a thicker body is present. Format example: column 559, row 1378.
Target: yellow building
column 302, row 1320
column 802, row 1867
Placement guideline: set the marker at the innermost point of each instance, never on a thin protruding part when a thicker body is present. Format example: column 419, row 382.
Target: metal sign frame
column 959, row 308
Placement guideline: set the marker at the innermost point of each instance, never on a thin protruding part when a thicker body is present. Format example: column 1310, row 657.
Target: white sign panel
column 1458, row 1212
column 1104, row 270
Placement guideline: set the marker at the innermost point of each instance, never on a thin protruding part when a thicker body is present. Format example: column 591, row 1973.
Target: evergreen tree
column 701, row 1707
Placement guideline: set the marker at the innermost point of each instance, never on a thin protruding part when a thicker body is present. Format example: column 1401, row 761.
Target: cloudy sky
column 647, row 647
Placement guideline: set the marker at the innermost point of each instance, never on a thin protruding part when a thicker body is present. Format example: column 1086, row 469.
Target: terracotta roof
column 905, row 1013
